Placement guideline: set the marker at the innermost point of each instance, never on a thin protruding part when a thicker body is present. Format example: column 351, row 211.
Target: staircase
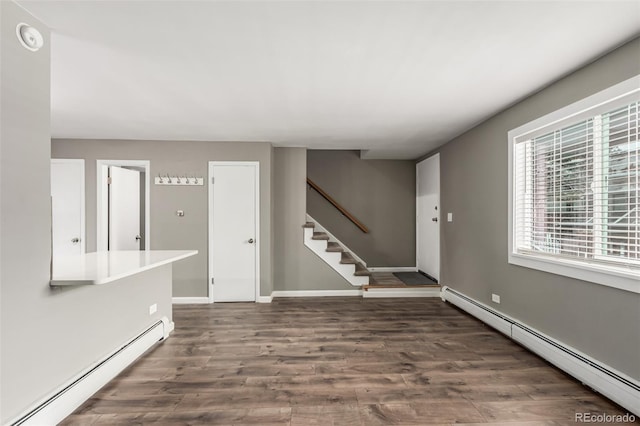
column 347, row 264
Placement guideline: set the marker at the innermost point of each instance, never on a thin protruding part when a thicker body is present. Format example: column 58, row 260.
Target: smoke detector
column 29, row 37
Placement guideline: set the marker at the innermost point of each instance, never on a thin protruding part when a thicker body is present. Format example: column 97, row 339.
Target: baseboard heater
column 616, row 386
column 53, row 409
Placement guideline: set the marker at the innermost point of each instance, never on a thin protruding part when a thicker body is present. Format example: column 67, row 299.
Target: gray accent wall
column 48, row 335
column 600, row 321
column 379, row 193
column 168, row 231
column 295, row 266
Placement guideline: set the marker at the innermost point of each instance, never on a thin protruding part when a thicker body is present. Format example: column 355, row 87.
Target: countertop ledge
column 106, row 266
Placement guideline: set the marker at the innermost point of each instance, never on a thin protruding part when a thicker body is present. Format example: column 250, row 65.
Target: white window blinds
column 577, row 190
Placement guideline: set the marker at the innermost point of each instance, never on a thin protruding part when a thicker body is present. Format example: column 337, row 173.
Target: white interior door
column 124, row 209
column 67, row 207
column 233, row 224
column 428, row 216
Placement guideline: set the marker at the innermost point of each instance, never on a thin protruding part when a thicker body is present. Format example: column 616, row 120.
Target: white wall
column 48, row 335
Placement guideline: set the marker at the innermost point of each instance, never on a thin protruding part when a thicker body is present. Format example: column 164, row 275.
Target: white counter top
column 106, row 266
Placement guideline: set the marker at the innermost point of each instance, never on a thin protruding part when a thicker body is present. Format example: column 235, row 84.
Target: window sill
column 608, row 276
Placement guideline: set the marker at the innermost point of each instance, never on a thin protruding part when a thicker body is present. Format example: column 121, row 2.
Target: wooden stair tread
column 347, row 259
column 334, row 247
column 361, row 274
column 361, row 271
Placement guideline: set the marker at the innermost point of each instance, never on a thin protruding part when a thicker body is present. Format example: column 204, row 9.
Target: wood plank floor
column 337, row 361
column 388, row 280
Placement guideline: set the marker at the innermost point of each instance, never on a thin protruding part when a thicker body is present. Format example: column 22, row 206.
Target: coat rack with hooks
column 179, row 180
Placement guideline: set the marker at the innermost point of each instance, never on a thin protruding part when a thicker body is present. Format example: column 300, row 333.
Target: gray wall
column 47, row 335
column 168, row 231
column 295, row 266
column 600, row 321
column 379, row 193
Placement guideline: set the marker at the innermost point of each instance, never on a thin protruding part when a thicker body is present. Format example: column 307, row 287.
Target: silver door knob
column 138, row 237
column 75, row 240
column 434, row 219
column 250, row 240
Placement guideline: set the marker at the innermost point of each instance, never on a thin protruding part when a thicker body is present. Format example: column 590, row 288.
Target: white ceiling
column 397, row 78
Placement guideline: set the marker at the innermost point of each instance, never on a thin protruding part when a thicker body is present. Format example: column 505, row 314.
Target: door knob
column 434, row 219
column 75, row 240
column 138, row 237
column 250, row 240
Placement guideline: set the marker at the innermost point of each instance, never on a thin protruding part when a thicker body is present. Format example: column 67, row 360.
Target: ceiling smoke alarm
column 29, row 37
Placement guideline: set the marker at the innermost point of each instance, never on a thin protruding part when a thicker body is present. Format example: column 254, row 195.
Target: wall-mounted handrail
column 335, row 204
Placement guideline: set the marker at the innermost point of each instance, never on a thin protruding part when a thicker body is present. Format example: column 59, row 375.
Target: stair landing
column 385, row 284
column 388, row 280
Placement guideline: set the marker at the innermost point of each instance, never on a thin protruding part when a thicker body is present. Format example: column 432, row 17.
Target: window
column 575, row 190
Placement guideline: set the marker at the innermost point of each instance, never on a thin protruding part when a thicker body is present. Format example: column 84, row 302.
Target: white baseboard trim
column 393, row 269
column 264, row 299
column 189, row 300
column 63, row 401
column 604, row 379
column 316, row 293
column 402, row 292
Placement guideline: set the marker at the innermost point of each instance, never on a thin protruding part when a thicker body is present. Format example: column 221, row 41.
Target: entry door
column 124, row 209
column 67, row 207
column 428, row 216
column 233, row 226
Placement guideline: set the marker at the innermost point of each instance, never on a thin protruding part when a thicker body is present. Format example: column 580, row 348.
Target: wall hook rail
column 178, row 180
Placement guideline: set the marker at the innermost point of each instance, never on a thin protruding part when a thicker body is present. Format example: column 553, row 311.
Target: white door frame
column 255, row 164
column 102, row 222
column 440, row 218
column 82, row 197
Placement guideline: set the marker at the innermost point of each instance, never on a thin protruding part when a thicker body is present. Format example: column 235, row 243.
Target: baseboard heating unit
column 616, row 386
column 54, row 408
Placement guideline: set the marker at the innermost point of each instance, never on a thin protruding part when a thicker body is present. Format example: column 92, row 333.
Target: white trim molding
column 372, row 292
column 265, row 299
column 316, row 293
column 190, row 300
column 393, row 269
column 604, row 379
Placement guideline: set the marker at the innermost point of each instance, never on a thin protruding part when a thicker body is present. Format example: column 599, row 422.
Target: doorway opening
column 123, row 205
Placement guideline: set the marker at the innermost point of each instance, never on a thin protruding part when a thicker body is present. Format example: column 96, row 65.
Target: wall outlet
column 153, row 309
column 495, row 298
column 449, row 217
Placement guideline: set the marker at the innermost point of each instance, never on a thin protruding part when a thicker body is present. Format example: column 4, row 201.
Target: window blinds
column 577, row 190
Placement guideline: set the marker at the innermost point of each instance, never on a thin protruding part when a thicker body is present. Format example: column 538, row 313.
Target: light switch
column 180, row 213
column 449, row 217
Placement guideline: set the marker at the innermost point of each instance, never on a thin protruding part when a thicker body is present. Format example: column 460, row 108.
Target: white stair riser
column 359, row 281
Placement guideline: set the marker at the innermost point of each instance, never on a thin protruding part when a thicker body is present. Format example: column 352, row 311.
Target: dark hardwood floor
column 349, row 361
